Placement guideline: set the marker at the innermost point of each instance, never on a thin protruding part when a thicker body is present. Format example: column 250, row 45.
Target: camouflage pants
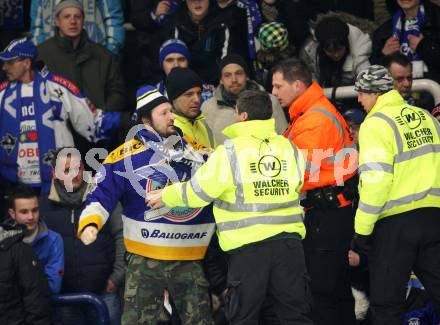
column 146, row 280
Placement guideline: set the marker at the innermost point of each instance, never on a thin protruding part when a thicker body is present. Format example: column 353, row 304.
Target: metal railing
column 97, row 303
column 427, row 85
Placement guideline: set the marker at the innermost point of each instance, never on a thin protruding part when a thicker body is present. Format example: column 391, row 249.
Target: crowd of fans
column 94, row 55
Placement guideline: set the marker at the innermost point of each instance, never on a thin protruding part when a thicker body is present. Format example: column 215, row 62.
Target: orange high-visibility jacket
column 321, row 132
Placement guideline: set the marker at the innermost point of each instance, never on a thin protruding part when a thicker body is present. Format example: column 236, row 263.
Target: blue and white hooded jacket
column 43, row 117
column 103, row 21
column 142, row 164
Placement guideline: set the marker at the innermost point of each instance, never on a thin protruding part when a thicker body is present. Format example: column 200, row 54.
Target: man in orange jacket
column 321, row 132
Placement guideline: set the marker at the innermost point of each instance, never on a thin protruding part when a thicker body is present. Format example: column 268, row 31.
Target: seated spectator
column 98, row 268
column 337, row 53
column 174, row 53
column 220, row 109
column 37, row 111
column 184, row 91
column 103, row 21
column 275, row 47
column 400, row 68
column 413, row 31
column 24, row 293
column 47, row 244
column 201, row 26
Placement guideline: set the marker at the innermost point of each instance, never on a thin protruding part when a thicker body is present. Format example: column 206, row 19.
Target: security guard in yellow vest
column 254, row 180
column 184, row 89
column 399, row 207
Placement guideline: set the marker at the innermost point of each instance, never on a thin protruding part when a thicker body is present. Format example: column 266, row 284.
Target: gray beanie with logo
column 374, row 79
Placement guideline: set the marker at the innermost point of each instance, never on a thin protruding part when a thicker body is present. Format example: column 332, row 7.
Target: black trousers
column 329, row 233
column 275, row 269
column 401, row 243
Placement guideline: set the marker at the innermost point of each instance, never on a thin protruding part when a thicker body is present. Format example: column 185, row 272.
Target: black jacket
column 24, row 292
column 208, row 42
column 86, row 268
column 428, row 48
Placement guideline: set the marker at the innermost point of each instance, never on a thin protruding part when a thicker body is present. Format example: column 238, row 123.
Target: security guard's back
column 254, row 180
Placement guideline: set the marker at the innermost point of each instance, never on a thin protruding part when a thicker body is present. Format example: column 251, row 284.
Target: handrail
column 427, row 85
column 98, row 304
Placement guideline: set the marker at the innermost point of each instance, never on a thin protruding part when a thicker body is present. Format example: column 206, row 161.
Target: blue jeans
column 85, row 314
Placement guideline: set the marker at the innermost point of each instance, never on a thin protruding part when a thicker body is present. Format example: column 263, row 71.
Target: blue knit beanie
column 19, row 48
column 173, row 46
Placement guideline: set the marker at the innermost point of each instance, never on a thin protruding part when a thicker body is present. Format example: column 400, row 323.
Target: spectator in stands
column 354, row 118
column 220, row 109
column 103, row 20
column 174, row 53
column 149, row 17
column 98, row 268
column 400, row 68
column 243, row 17
column 37, row 111
column 275, row 47
column 47, row 244
column 184, row 91
column 294, row 15
column 72, row 54
column 201, row 26
column 414, row 31
column 337, row 52
column 25, row 295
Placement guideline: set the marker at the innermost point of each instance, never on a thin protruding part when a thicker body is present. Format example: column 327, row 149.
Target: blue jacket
column 103, row 21
column 48, row 245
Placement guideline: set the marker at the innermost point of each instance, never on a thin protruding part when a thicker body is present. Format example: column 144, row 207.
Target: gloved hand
column 89, row 235
column 360, row 244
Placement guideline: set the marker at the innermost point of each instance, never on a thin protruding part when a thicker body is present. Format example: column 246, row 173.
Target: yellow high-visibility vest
column 254, row 180
column 399, row 161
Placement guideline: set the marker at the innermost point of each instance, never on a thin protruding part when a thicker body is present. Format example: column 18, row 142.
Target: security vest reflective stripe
column 339, row 156
column 408, row 170
column 236, row 221
column 317, row 128
column 256, row 194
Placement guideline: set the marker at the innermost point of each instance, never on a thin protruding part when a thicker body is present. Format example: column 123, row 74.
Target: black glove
column 360, row 244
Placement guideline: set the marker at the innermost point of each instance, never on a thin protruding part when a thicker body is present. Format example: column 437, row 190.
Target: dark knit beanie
column 236, row 59
column 331, row 28
column 180, row 80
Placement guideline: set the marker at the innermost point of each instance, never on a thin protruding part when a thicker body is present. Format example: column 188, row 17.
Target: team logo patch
column 410, row 117
column 177, row 214
column 269, row 166
column 8, row 143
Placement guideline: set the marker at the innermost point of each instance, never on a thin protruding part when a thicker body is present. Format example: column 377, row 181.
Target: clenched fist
column 89, row 235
